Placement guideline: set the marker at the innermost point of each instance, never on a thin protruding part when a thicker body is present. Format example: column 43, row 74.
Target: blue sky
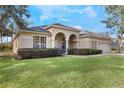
column 82, row 17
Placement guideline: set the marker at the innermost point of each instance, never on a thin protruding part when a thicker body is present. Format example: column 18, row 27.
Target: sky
column 78, row 16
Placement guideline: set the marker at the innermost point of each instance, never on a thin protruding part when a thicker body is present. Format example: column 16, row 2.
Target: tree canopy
column 114, row 19
column 13, row 18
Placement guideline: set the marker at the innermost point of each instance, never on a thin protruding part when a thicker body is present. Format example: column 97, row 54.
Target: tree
column 13, row 18
column 11, row 30
column 115, row 21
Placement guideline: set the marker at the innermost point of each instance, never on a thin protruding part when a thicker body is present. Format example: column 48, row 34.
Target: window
column 35, row 42
column 39, row 42
column 43, row 42
column 94, row 44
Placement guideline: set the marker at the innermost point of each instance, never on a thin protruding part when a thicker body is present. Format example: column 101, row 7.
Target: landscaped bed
column 27, row 53
column 64, row 71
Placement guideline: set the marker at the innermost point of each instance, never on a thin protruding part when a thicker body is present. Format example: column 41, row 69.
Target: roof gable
column 58, row 25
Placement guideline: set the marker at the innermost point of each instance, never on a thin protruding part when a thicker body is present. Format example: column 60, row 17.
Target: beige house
column 60, row 36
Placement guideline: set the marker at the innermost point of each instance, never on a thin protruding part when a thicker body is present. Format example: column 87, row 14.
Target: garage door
column 105, row 48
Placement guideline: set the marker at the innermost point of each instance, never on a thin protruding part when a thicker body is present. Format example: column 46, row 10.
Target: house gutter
column 23, row 31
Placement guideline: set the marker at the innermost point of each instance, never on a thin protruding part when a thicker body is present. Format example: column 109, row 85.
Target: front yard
column 66, row 71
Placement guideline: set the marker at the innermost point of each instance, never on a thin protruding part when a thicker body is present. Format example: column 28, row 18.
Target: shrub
column 26, row 53
column 83, row 51
column 5, row 46
column 114, row 49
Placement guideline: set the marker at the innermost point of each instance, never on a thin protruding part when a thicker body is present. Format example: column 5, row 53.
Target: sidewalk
column 116, row 53
column 104, row 54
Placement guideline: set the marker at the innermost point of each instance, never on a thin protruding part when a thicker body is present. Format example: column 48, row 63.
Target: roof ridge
column 38, row 26
column 70, row 27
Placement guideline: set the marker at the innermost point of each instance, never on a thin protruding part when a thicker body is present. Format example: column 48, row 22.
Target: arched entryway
column 73, row 41
column 60, row 41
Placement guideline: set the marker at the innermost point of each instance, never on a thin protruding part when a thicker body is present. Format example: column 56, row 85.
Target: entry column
column 53, row 43
column 67, row 46
column 78, row 43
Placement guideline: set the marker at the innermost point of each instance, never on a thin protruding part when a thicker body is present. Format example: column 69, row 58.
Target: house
column 60, row 36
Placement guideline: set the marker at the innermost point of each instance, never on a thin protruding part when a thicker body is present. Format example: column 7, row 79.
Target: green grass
column 67, row 71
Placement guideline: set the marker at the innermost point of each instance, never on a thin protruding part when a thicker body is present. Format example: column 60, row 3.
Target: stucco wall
column 66, row 32
column 102, row 44
column 49, row 42
column 16, row 45
column 84, row 43
column 25, row 40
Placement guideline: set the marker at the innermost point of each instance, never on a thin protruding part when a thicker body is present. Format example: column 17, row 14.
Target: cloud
column 48, row 12
column 87, row 10
column 58, row 12
column 73, row 11
column 66, row 20
column 90, row 11
column 53, row 11
column 46, row 16
column 78, row 27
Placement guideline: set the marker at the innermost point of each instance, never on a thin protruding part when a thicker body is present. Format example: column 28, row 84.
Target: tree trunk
column 1, row 38
column 119, row 48
column 1, row 41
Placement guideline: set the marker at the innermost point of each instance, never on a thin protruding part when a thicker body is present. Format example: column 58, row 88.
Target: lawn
column 66, row 71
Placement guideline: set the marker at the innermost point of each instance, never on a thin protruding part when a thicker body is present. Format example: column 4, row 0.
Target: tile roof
column 44, row 27
column 38, row 28
column 86, row 33
column 83, row 33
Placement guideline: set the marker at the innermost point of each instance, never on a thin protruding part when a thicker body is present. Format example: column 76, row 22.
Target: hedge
column 75, row 51
column 26, row 53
